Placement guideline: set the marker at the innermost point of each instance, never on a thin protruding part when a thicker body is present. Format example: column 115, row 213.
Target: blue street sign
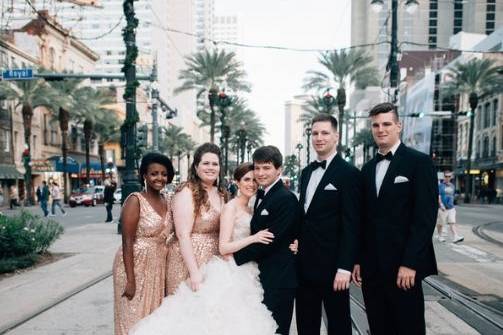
column 17, row 74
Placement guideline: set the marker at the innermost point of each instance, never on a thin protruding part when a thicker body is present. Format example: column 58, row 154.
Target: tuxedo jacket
column 279, row 212
column 328, row 237
column 398, row 224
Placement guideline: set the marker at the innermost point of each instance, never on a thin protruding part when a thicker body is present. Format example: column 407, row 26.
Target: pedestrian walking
column 43, row 197
column 56, row 199
column 447, row 211
column 108, row 198
column 13, row 195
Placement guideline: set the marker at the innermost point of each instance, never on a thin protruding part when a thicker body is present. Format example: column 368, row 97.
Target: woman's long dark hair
column 195, row 184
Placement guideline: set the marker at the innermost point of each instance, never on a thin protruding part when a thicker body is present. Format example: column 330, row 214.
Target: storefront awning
column 8, row 171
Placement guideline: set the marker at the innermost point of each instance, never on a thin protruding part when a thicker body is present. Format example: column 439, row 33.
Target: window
column 4, row 60
column 34, row 145
column 52, row 58
column 54, row 136
column 485, row 150
column 495, row 112
column 46, row 131
column 487, row 115
column 493, row 147
column 478, row 117
column 6, row 140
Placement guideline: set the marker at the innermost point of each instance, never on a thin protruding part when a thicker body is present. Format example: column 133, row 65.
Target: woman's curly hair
column 194, row 183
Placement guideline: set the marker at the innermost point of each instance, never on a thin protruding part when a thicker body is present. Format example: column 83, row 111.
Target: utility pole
column 393, row 60
column 128, row 128
column 154, row 95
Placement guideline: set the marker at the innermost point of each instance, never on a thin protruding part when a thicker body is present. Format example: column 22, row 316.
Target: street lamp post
column 212, row 98
column 128, row 128
column 241, row 141
column 394, row 71
column 341, row 102
column 308, row 143
column 154, row 95
column 473, row 100
column 299, row 149
column 329, row 101
column 223, row 102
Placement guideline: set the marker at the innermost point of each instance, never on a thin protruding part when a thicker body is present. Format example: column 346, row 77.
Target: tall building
column 226, row 28
column 205, row 11
column 430, row 26
column 294, row 130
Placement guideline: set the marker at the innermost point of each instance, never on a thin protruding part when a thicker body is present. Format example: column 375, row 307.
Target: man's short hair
column 268, row 154
column 385, row 107
column 324, row 117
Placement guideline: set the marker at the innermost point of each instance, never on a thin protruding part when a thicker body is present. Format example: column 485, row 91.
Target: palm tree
column 478, row 78
column 364, row 137
column 108, row 130
column 314, row 106
column 342, row 68
column 207, row 71
column 29, row 94
column 176, row 142
column 92, row 109
column 66, row 90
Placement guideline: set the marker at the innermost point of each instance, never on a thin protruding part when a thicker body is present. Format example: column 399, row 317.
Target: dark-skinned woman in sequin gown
column 139, row 268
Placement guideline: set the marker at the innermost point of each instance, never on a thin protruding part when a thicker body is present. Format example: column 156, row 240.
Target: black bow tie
column 260, row 194
column 316, row 164
column 388, row 156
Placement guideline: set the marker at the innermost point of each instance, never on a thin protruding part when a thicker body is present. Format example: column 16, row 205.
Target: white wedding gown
column 229, row 301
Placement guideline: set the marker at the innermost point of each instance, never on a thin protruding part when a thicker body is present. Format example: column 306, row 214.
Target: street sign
column 17, row 74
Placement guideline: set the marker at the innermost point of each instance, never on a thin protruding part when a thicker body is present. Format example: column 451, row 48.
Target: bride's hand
column 294, row 247
column 195, row 280
column 263, row 236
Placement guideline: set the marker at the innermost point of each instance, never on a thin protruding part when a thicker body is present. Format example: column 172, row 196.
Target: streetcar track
column 479, row 231
column 58, row 301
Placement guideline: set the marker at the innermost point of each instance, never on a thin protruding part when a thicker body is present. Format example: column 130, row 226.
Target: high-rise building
column 430, row 26
column 205, row 11
column 294, row 130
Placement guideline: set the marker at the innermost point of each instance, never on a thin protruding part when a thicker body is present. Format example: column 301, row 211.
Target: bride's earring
column 145, row 184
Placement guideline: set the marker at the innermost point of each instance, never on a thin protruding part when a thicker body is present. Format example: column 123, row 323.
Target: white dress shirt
column 382, row 167
column 314, row 181
column 268, row 188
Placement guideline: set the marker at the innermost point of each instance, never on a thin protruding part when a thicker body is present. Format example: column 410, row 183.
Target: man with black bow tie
column 400, row 209
column 330, row 194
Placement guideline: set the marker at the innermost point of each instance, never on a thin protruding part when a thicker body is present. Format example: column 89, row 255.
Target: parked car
column 85, row 197
column 118, row 195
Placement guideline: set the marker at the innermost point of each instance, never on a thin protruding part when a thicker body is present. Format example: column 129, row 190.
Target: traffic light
column 141, row 139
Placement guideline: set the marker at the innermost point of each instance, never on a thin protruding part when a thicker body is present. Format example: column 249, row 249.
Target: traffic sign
column 17, row 74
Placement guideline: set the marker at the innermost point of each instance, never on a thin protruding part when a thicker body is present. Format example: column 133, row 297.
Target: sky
column 276, row 76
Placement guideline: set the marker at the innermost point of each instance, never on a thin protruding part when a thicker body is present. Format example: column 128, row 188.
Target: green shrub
column 24, row 236
column 14, row 263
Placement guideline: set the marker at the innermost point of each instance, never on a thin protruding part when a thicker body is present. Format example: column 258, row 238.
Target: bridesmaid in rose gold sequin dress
column 145, row 285
column 204, row 243
column 196, row 216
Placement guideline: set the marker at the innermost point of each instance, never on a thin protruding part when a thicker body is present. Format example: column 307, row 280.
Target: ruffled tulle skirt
column 229, row 302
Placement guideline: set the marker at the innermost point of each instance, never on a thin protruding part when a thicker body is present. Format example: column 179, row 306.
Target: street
column 78, row 299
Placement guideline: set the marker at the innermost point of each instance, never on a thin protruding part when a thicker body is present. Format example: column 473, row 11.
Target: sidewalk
column 92, row 246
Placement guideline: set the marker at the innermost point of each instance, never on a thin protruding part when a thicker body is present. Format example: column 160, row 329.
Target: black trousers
column 109, row 206
column 393, row 311
column 308, row 310
column 280, row 302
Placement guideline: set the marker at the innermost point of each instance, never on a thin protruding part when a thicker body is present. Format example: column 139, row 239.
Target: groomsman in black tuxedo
column 400, row 210
column 276, row 209
column 331, row 196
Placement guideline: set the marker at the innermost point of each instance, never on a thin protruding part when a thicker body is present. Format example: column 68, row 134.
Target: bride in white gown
column 229, row 301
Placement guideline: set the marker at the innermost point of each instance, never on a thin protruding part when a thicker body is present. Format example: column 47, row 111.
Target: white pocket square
column 401, row 179
column 264, row 212
column 330, row 187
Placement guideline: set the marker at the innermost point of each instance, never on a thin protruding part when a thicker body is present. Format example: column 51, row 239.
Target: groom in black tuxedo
column 331, row 196
column 400, row 209
column 278, row 210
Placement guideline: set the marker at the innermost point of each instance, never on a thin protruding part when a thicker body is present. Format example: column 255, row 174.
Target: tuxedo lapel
column 391, row 172
column 372, row 172
column 331, row 169
column 267, row 196
column 304, row 182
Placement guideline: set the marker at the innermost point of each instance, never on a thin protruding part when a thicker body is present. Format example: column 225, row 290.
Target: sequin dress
column 149, row 254
column 204, row 243
column 229, row 301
